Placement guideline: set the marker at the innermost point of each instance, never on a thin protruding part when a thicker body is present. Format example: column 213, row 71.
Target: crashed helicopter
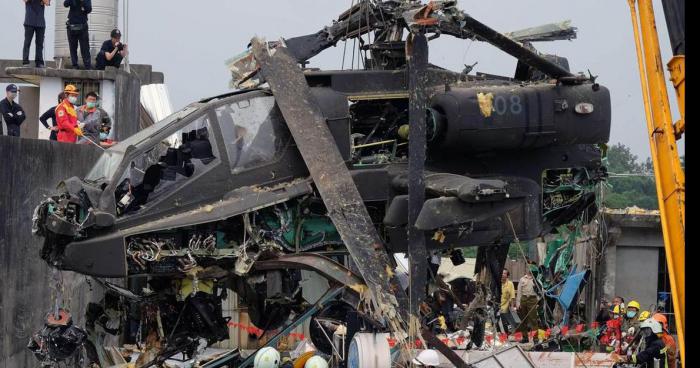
column 333, row 171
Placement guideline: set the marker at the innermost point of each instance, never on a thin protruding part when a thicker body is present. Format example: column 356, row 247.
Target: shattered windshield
column 249, row 134
column 106, row 166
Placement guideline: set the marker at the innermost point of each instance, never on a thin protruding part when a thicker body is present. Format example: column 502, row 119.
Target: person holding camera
column 77, row 26
column 113, row 51
column 34, row 23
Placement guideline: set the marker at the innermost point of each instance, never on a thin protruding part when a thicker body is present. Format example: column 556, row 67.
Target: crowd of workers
column 70, row 123
column 111, row 53
column 638, row 336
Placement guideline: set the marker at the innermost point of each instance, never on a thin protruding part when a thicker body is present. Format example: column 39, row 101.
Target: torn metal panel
column 548, row 32
column 340, row 195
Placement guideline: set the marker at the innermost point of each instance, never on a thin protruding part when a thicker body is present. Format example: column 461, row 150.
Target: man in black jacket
column 51, row 114
column 11, row 111
column 34, row 23
column 112, row 52
column 654, row 347
column 77, row 27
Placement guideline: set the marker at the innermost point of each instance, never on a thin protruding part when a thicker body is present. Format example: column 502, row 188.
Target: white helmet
column 427, row 357
column 267, row 357
column 316, row 362
column 653, row 324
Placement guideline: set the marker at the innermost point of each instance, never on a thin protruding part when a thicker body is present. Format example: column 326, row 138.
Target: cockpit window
column 165, row 166
column 249, row 133
column 105, row 166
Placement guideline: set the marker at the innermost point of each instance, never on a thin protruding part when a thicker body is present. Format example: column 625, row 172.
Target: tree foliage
column 639, row 189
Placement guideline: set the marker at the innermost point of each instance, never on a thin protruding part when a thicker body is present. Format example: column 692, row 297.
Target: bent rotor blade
column 333, row 180
column 417, row 60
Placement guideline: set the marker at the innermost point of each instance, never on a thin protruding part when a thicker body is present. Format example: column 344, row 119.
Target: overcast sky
column 190, row 41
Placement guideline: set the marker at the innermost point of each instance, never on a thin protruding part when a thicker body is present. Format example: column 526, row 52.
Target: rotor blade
column 513, row 48
column 417, row 60
column 346, row 209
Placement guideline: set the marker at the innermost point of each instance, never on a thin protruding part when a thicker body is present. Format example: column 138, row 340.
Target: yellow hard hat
column 71, row 89
column 644, row 315
column 634, row 304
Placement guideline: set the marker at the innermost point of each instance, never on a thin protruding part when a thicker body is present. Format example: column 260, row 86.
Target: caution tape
column 259, row 332
column 502, row 337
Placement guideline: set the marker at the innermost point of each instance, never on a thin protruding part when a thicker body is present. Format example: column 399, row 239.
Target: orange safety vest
column 671, row 348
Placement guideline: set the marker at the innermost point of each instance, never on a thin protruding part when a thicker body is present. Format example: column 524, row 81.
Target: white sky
column 189, row 42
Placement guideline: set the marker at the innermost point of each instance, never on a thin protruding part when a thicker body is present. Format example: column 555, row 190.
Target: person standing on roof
column 669, row 341
column 51, row 114
column 526, row 303
column 77, row 28
column 67, row 117
column 507, row 301
column 34, row 23
column 11, row 111
column 113, row 51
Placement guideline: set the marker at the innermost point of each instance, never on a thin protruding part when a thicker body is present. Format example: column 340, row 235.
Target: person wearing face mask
column 105, row 128
column 11, row 111
column 667, row 338
column 67, row 117
column 90, row 116
column 631, row 319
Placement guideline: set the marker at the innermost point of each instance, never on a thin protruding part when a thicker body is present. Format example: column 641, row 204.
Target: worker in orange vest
column 67, row 117
column 667, row 339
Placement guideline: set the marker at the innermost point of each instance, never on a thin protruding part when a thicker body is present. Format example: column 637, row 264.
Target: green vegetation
column 636, row 188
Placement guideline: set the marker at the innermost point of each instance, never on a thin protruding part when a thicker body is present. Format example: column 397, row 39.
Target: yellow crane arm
column 670, row 177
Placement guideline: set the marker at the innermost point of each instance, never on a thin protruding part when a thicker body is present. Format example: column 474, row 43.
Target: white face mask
column 73, row 99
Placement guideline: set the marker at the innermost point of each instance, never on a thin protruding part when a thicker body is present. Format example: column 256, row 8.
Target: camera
column 120, row 47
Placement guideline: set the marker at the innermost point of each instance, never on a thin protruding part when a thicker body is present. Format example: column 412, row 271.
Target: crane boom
column 669, row 175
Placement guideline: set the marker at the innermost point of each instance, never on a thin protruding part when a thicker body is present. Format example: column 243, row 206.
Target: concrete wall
column 631, row 265
column 637, row 274
column 29, row 100
column 29, row 171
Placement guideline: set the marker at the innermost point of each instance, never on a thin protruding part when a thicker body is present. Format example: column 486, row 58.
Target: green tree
column 635, row 184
